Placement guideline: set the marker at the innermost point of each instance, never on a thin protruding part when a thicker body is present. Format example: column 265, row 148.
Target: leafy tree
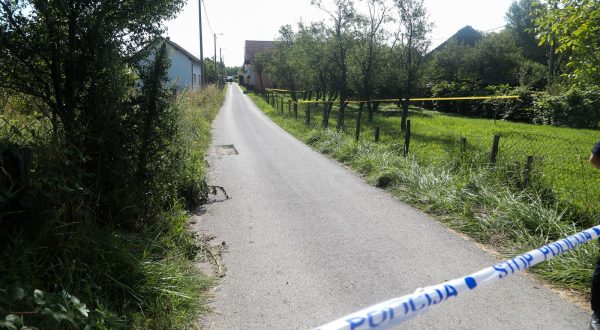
column 452, row 63
column 413, row 30
column 233, row 70
column 315, row 49
column 76, row 58
column 284, row 62
column 520, row 23
column 573, row 26
column 366, row 54
column 496, row 60
column 342, row 16
column 261, row 61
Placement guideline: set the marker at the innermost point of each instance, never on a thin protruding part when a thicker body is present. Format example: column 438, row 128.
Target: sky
column 235, row 21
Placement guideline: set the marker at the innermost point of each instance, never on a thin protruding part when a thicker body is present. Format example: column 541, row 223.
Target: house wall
column 183, row 72
column 180, row 71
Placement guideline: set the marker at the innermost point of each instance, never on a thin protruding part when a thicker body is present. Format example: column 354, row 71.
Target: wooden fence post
column 295, row 106
column 407, row 137
column 463, row 146
column 527, row 173
column 494, row 153
column 308, row 114
column 376, row 134
column 358, row 117
column 282, row 110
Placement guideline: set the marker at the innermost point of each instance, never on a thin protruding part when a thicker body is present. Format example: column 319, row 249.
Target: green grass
column 495, row 207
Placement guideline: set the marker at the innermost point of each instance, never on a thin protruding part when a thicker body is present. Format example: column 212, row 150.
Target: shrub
column 455, row 89
column 578, row 107
column 519, row 110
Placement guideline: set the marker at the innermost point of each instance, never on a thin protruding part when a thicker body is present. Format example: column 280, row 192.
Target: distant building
column 185, row 68
column 251, row 76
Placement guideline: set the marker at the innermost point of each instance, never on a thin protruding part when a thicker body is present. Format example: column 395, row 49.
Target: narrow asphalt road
column 308, row 241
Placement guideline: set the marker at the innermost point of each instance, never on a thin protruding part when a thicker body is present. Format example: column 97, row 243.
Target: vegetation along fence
column 553, row 159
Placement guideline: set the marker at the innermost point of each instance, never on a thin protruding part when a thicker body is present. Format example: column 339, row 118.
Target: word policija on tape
column 397, row 310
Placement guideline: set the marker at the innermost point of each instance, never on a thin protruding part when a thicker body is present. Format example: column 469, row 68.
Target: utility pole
column 221, row 61
column 215, row 58
column 201, row 52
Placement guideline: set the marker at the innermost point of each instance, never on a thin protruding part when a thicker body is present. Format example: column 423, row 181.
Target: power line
column 206, row 15
column 496, row 28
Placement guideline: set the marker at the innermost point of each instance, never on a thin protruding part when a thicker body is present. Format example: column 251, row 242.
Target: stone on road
column 308, row 241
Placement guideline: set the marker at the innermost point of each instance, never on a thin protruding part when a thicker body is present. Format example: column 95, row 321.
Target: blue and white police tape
column 397, row 310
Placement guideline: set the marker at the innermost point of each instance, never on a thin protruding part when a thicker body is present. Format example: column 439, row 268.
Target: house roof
column 467, row 36
column 185, row 52
column 253, row 47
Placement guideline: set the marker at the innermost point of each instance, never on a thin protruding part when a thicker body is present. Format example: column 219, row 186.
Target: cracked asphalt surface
column 308, row 241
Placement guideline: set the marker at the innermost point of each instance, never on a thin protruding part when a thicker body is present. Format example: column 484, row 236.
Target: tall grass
column 492, row 207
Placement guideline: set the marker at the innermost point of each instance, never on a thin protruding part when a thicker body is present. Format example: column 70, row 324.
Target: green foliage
column 128, row 279
column 495, row 59
column 106, row 156
column 451, row 89
column 520, row 20
column 577, row 107
column 61, row 309
column 532, row 75
column 212, row 71
column 233, row 70
column 573, row 26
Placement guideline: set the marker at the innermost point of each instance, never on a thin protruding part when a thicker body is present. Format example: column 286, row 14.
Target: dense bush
column 116, row 250
column 519, row 110
column 577, row 107
column 136, row 278
column 454, row 89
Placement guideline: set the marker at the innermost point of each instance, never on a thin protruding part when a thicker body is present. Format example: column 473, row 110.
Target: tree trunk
column 326, row 108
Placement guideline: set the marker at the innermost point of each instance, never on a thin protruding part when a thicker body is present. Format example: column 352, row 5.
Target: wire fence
column 553, row 159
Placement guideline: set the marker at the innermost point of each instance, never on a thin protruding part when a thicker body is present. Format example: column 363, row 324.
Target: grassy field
column 560, row 154
column 496, row 207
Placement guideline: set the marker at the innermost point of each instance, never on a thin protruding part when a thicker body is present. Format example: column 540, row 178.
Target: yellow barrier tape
column 460, row 98
column 463, row 98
